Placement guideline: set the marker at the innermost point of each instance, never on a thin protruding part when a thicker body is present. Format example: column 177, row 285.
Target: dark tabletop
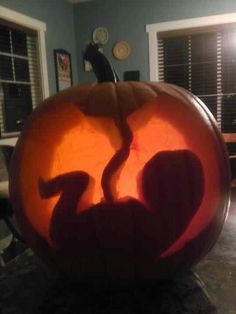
column 27, row 286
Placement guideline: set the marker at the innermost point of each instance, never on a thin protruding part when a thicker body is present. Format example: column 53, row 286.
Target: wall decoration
column 100, row 35
column 121, row 50
column 63, row 69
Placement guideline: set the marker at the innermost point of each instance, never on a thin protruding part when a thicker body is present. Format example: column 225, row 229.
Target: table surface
column 28, row 287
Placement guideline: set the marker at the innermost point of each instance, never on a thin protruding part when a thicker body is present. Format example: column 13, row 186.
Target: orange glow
column 121, row 180
column 91, row 146
column 75, row 142
column 152, row 134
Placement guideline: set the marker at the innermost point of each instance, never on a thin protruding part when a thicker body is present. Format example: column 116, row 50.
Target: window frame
column 40, row 27
column 180, row 25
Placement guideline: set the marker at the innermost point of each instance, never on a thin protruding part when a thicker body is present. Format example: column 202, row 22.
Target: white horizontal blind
column 205, row 64
column 36, row 89
column 20, row 88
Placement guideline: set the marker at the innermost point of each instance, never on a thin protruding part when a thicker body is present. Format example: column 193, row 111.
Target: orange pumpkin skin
column 121, row 181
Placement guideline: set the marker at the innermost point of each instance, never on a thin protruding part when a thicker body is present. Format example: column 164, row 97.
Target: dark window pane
column 204, row 78
column 177, row 75
column 204, row 47
column 19, row 43
column 231, row 148
column 21, row 69
column 17, row 105
column 211, row 103
column 229, row 44
column 175, row 50
column 229, row 61
column 229, row 114
column 4, row 39
column 229, row 76
column 6, row 68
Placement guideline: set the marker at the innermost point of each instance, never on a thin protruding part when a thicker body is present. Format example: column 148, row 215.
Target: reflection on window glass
column 204, row 47
column 205, row 64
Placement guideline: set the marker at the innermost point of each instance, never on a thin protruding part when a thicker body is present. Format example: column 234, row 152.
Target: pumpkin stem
column 105, row 73
column 101, row 66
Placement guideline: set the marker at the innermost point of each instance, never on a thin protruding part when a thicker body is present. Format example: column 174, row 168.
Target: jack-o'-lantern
column 120, row 180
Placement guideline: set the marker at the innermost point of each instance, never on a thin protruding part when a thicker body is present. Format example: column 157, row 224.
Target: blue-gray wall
column 126, row 20
column 58, row 15
column 70, row 27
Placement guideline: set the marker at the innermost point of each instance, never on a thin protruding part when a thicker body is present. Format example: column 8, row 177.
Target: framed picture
column 63, row 69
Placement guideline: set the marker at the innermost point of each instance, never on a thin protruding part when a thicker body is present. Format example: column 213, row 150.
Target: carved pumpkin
column 120, row 180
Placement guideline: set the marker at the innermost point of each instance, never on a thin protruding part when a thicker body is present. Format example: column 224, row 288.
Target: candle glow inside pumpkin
column 61, row 139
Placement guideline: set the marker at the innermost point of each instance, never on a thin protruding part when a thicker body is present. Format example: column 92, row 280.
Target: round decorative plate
column 121, row 50
column 100, row 35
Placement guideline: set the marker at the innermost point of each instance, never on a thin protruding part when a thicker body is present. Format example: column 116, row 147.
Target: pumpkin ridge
column 146, row 94
column 82, row 105
column 134, row 95
column 152, row 87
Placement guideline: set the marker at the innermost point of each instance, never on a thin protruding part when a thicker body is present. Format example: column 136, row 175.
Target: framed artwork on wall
column 63, row 69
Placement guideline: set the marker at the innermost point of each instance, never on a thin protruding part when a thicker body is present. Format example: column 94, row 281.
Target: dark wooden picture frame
column 63, row 69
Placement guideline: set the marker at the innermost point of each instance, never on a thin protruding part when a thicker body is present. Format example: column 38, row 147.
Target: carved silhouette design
column 172, row 186
column 131, row 231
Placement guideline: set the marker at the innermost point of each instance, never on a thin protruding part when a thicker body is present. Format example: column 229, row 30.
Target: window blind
column 20, row 88
column 205, row 64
